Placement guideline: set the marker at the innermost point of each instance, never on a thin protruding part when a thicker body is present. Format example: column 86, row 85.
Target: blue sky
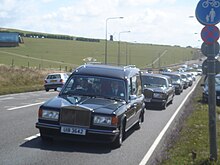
column 164, row 22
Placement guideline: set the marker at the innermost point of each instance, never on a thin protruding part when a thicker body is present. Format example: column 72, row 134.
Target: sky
column 162, row 22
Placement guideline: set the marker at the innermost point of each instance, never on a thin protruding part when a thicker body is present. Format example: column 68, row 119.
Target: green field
column 60, row 53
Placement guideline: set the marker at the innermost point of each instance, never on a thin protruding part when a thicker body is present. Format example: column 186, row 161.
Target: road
column 20, row 143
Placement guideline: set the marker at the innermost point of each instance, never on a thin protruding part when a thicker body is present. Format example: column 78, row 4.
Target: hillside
column 62, row 53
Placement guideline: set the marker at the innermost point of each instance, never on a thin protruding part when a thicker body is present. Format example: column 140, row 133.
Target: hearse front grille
column 75, row 116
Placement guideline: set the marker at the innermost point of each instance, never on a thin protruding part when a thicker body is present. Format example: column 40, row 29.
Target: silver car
column 55, row 80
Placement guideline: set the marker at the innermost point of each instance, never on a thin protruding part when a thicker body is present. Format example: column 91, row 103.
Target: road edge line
column 159, row 137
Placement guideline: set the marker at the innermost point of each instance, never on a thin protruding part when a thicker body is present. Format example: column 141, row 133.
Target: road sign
column 210, row 50
column 210, row 34
column 208, row 12
column 205, row 67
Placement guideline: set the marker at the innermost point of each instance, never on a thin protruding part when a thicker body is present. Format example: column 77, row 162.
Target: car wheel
column 164, row 106
column 55, row 89
column 171, row 101
column 46, row 90
column 119, row 139
column 45, row 138
column 140, row 120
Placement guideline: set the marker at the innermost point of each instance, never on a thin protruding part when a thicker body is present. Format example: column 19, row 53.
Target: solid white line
column 24, row 106
column 156, row 142
column 32, row 137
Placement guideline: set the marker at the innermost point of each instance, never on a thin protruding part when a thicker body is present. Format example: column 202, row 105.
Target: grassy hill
column 60, row 53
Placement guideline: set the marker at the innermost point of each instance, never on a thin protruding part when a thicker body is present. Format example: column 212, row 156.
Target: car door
column 135, row 100
column 170, row 89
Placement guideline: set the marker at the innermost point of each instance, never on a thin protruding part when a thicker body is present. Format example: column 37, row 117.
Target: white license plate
column 73, row 130
column 218, row 97
column 147, row 100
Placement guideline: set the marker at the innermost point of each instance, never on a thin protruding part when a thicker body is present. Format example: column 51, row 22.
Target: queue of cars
column 100, row 103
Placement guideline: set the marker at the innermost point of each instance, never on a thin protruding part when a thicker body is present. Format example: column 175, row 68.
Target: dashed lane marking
column 24, row 106
column 32, row 137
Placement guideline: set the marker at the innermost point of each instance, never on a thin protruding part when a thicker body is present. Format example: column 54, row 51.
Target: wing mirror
column 133, row 97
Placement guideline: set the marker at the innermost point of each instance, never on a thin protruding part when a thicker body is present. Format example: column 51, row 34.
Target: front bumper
column 155, row 102
column 92, row 135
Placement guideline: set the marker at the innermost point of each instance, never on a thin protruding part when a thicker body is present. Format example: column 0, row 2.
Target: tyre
column 46, row 90
column 140, row 120
column 45, row 138
column 119, row 139
column 171, row 101
column 164, row 106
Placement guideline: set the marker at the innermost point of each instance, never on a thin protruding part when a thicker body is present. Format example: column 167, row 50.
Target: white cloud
column 150, row 21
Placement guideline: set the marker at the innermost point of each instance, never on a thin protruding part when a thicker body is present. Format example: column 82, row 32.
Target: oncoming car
column 55, row 80
column 205, row 93
column 98, row 103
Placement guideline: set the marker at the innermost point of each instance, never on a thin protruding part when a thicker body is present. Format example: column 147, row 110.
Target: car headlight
column 48, row 114
column 159, row 95
column 105, row 120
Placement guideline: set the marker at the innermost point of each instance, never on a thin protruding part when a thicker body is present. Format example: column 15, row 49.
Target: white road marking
column 24, row 106
column 156, row 142
column 6, row 98
column 32, row 137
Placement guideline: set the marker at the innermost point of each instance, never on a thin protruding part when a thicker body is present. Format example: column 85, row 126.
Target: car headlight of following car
column 105, row 120
column 159, row 95
column 48, row 114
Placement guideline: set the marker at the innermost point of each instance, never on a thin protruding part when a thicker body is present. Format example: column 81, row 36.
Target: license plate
column 73, row 130
column 53, row 80
column 218, row 97
column 147, row 100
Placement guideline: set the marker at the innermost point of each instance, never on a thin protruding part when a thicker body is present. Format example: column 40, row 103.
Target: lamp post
column 106, row 40
column 119, row 44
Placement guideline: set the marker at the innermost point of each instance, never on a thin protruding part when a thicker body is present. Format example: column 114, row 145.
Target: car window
column 217, row 80
column 95, row 86
column 150, row 81
column 54, row 76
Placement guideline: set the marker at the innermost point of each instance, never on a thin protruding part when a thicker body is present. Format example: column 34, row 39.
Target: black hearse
column 87, row 109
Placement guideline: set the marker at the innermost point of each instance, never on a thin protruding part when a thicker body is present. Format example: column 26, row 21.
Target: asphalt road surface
column 20, row 143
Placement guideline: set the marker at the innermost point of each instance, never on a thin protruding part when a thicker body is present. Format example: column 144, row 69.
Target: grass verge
column 16, row 80
column 192, row 145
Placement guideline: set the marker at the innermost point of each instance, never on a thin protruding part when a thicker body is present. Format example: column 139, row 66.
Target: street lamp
column 119, row 44
column 106, row 40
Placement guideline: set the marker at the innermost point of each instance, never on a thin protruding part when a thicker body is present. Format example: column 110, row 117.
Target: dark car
column 176, row 81
column 206, row 89
column 158, row 90
column 89, row 109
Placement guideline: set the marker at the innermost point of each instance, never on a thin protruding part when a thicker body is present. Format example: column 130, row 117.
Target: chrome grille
column 75, row 116
column 148, row 93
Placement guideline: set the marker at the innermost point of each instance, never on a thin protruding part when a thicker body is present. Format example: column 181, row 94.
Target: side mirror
column 132, row 97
